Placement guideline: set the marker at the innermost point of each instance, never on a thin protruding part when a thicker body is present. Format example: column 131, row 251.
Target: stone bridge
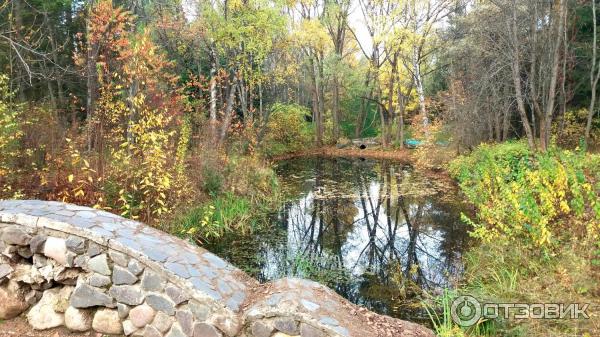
column 87, row 269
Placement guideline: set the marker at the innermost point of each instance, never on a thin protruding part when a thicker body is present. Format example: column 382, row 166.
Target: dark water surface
column 376, row 231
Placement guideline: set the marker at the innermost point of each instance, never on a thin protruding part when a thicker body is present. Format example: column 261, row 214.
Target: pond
column 378, row 232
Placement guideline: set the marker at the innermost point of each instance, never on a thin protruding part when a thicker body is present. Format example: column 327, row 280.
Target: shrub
column 212, row 180
column 10, row 129
column 287, row 130
column 533, row 197
column 571, row 128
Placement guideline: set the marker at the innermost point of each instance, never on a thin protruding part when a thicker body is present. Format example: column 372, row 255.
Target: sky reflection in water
column 376, row 231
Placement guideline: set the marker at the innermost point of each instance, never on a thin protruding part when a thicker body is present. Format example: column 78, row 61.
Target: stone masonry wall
column 86, row 269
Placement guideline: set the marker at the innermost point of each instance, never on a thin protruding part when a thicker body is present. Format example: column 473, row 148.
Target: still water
column 378, row 232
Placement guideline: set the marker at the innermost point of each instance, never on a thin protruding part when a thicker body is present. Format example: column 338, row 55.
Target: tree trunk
column 401, row 108
column 364, row 106
column 90, row 80
column 391, row 94
column 505, row 124
column 228, row 115
column 546, row 122
column 260, row 100
column 321, row 98
column 420, row 89
column 243, row 99
column 336, row 108
column 516, row 75
column 316, row 111
column 213, row 94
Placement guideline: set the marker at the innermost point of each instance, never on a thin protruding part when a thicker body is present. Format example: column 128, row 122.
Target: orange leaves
column 109, row 25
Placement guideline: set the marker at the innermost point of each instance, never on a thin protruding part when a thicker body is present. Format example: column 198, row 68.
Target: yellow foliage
column 311, row 33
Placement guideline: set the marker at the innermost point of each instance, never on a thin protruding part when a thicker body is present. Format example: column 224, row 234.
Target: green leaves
column 525, row 196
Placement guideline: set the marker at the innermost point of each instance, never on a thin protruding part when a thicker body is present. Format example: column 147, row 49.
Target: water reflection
column 376, row 231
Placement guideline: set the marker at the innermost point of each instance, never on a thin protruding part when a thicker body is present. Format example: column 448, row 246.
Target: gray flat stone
column 186, row 321
column 162, row 322
column 5, row 269
column 118, row 258
column 175, row 331
column 236, row 300
column 329, row 321
column 135, row 267
column 94, row 249
column 206, row 330
column 151, row 281
column 205, row 271
column 85, row 296
column 36, row 244
column 260, row 329
column 24, row 252
column 99, row 264
column 123, row 276
column 160, row 303
column 86, row 214
column 156, row 254
column 123, row 310
column 99, row 281
column 274, row 299
column 341, row 330
column 287, row 325
column 13, row 235
column 176, row 294
column 215, row 260
column 206, row 288
column 199, row 310
column 71, row 259
column 309, row 305
column 177, row 268
column 75, row 244
column 39, row 260
column 151, row 331
column 81, row 261
column 307, row 330
column 223, row 287
column 130, row 295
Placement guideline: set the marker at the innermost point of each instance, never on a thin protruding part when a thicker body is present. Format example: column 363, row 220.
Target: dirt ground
column 18, row 327
column 403, row 155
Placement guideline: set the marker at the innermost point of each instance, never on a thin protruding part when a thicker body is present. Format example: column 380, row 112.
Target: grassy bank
column 537, row 224
column 237, row 194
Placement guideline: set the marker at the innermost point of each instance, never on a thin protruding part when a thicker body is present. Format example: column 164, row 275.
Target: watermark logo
column 467, row 310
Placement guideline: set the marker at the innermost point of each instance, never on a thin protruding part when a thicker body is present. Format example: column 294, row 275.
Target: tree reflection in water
column 377, row 232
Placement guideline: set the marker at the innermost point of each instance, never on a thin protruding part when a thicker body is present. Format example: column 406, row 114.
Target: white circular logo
column 465, row 311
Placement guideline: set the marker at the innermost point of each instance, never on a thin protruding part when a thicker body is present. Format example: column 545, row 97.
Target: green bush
column 212, row 181
column 287, row 130
column 531, row 197
column 10, row 129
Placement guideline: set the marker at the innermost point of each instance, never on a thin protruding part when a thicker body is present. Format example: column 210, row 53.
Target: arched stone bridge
column 89, row 269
